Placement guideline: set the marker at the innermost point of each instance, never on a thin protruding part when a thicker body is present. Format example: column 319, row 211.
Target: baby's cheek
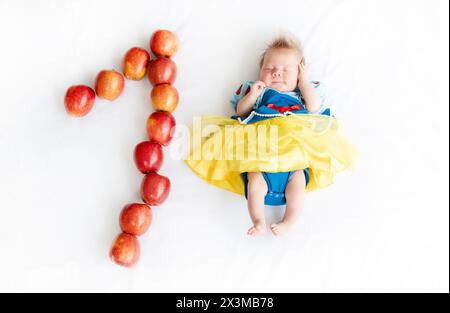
column 293, row 80
column 262, row 77
column 265, row 79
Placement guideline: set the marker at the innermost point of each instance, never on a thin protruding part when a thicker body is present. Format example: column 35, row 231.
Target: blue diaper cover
column 276, row 186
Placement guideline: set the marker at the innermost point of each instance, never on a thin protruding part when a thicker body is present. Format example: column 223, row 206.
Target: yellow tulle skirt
column 221, row 149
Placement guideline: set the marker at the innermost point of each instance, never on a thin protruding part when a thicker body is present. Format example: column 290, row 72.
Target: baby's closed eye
column 282, row 69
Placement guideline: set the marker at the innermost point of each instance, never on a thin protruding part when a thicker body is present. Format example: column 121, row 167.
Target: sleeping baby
column 283, row 86
column 309, row 147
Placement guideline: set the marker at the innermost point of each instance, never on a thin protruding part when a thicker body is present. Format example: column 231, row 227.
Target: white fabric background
column 63, row 181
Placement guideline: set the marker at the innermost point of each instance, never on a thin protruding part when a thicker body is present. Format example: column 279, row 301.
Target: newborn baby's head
column 279, row 66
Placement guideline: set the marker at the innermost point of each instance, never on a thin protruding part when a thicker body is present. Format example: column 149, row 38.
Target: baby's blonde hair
column 285, row 41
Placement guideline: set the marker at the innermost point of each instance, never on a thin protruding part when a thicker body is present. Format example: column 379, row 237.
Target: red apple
column 135, row 219
column 161, row 127
column 109, row 84
column 79, row 100
column 164, row 43
column 148, row 156
column 135, row 63
column 155, row 188
column 125, row 250
column 164, row 98
column 162, row 71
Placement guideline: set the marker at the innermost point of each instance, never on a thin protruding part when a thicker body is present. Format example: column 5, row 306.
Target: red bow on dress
column 283, row 109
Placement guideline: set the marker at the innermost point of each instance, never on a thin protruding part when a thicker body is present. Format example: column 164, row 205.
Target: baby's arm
column 245, row 105
column 310, row 95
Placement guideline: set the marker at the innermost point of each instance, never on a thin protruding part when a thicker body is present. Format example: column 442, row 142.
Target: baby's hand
column 302, row 73
column 257, row 88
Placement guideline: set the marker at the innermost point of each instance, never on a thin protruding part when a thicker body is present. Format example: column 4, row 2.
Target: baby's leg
column 256, row 192
column 295, row 194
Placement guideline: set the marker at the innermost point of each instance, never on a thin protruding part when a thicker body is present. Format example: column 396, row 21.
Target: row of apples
column 136, row 218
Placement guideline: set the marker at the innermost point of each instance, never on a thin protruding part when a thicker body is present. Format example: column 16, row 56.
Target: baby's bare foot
column 257, row 229
column 279, row 229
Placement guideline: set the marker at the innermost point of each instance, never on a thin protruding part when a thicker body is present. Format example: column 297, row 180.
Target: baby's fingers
column 260, row 86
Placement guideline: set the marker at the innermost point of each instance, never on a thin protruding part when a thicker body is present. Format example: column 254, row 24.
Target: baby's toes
column 256, row 230
column 274, row 228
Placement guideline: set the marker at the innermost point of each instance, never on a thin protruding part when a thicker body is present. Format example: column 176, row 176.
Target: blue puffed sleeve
column 240, row 93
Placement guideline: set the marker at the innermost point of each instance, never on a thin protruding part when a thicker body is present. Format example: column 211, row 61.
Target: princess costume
column 298, row 140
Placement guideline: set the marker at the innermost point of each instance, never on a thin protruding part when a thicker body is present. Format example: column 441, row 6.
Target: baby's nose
column 276, row 74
